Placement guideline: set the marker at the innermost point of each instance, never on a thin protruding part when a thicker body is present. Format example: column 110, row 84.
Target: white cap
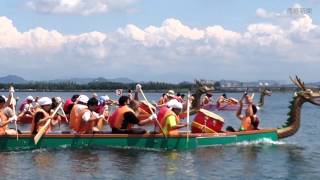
column 106, row 98
column 44, row 101
column 174, row 104
column 58, row 99
column 5, row 98
column 170, row 93
column 83, row 99
column 30, row 98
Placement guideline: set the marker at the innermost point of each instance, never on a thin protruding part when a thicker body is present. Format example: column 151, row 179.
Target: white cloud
column 262, row 13
column 42, row 41
column 171, row 48
column 291, row 12
column 81, row 7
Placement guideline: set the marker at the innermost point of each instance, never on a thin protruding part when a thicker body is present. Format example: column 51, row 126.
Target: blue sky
column 160, row 40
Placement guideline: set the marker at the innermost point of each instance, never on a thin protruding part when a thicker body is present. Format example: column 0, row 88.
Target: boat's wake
column 264, row 141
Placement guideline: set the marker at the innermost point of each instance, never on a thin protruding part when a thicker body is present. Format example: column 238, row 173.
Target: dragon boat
column 183, row 141
column 233, row 105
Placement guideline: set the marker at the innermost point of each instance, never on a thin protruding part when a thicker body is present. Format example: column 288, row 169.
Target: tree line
column 103, row 86
column 110, row 86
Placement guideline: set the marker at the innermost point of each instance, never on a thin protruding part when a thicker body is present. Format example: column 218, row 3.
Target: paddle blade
column 39, row 135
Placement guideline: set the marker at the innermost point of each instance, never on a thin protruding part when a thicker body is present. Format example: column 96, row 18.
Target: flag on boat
column 119, row 92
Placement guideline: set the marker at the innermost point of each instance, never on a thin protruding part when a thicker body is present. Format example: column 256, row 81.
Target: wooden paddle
column 188, row 115
column 153, row 112
column 64, row 114
column 13, row 104
column 38, row 136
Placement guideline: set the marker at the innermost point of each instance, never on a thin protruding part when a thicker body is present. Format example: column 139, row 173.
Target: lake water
column 297, row 157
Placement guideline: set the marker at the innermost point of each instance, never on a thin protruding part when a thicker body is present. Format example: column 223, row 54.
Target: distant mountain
column 122, row 80
column 13, row 79
column 88, row 80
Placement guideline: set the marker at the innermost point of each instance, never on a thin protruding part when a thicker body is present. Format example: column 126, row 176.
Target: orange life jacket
column 246, row 124
column 116, row 119
column 74, row 117
column 84, row 127
column 39, row 125
column 161, row 101
column 162, row 117
column 4, row 119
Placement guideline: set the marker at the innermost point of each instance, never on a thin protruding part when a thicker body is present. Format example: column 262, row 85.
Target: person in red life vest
column 207, row 99
column 41, row 116
column 6, row 116
column 249, row 121
column 169, row 117
column 124, row 118
column 67, row 107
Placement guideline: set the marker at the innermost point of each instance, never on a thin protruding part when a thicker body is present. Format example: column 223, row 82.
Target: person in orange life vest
column 207, row 99
column 122, row 119
column 169, row 95
column 88, row 117
column 162, row 100
column 6, row 116
column 169, row 117
column 249, row 121
column 41, row 116
column 79, row 104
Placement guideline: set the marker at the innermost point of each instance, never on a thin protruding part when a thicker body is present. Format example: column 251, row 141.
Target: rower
column 249, row 121
column 122, row 119
column 67, row 107
column 162, row 100
column 221, row 100
column 169, row 117
column 169, row 96
column 26, row 109
column 26, row 106
column 80, row 103
column 41, row 116
column 88, row 118
column 207, row 99
column 6, row 116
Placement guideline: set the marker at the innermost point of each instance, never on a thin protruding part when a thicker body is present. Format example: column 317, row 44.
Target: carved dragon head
column 202, row 87
column 266, row 92
column 307, row 94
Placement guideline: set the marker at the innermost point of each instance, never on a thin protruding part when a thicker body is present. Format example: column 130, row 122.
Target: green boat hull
column 183, row 141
